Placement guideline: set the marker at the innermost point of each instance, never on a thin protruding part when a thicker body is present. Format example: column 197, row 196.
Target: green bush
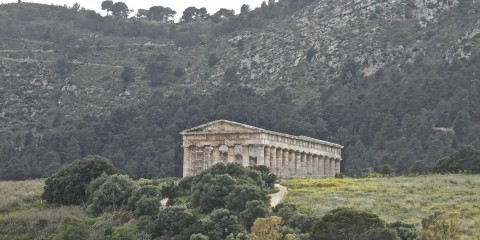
column 71, row 229
column 172, row 220
column 145, row 201
column 227, row 186
column 347, row 223
column 112, row 194
column 68, row 185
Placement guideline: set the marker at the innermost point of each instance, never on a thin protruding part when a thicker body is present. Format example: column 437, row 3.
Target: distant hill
column 396, row 82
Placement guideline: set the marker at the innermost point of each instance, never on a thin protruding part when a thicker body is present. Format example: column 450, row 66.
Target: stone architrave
column 284, row 154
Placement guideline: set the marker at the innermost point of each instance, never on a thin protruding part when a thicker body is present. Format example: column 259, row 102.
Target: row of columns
column 282, row 162
column 286, row 162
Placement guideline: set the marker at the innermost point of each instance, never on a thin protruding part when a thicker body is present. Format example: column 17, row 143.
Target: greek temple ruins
column 285, row 155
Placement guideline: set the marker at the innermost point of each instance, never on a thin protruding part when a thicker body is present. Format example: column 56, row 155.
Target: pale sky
column 177, row 5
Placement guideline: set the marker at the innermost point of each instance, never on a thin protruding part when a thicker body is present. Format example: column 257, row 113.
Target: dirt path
column 278, row 197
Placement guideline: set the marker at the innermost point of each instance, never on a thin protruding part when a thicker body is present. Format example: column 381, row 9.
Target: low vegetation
column 14, row 193
column 409, row 199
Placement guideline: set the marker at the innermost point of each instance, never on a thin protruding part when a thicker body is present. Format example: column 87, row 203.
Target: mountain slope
column 394, row 81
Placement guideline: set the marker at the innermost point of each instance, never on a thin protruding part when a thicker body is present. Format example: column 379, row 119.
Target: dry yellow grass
column 408, row 199
column 13, row 193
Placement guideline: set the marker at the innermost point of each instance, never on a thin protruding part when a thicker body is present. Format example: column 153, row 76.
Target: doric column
column 315, row 166
column 279, row 162
column 273, row 159
column 332, row 166
column 285, row 164
column 245, row 156
column 337, row 166
column 267, row 156
column 215, row 155
column 186, row 161
column 321, row 166
column 260, row 155
column 327, row 166
column 298, row 164
column 309, row 164
column 304, row 164
column 207, row 152
column 231, row 154
column 291, row 161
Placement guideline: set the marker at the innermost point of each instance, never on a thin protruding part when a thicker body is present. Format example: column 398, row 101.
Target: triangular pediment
column 223, row 126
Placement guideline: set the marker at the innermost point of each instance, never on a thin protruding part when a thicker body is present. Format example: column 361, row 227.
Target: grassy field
column 408, row 199
column 16, row 193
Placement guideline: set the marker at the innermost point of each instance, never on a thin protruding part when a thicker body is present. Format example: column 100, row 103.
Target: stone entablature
column 285, row 155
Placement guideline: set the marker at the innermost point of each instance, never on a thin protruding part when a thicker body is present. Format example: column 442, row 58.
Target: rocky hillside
column 395, row 81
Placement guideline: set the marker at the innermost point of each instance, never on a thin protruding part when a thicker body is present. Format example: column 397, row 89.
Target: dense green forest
column 407, row 117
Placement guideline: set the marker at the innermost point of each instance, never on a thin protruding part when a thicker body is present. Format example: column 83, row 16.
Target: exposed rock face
column 349, row 37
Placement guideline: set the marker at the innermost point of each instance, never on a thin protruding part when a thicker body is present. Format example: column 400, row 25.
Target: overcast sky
column 177, row 5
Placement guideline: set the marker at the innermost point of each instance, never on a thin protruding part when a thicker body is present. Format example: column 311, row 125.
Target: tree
column 213, row 60
column 311, row 53
column 145, row 201
column 222, row 223
column 158, row 70
column 192, row 14
column 231, row 75
column 466, row 158
column 128, row 74
column 142, row 13
column 253, row 210
column 386, row 169
column 112, row 194
column 171, row 220
column 462, row 124
column 345, row 223
column 76, row 7
column 68, row 185
column 266, row 228
column 221, row 14
column 72, row 229
column 159, row 13
column 107, row 6
column 228, row 186
column 63, row 66
column 120, row 9
column 170, row 191
column 244, row 9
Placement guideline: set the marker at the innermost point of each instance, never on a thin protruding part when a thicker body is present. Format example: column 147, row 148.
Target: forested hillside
column 396, row 82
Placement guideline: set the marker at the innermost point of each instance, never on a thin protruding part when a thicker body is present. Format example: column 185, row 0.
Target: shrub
column 113, row 193
column 68, row 185
column 441, row 226
column 226, row 186
column 253, row 210
column 266, row 228
column 171, row 220
column 71, row 228
column 145, row 201
column 345, row 223
column 213, row 60
column 310, row 53
column 128, row 74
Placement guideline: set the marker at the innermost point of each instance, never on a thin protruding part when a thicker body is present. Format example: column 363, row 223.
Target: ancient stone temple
column 285, row 155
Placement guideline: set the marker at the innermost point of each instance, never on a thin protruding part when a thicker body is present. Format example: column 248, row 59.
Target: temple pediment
column 223, row 126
